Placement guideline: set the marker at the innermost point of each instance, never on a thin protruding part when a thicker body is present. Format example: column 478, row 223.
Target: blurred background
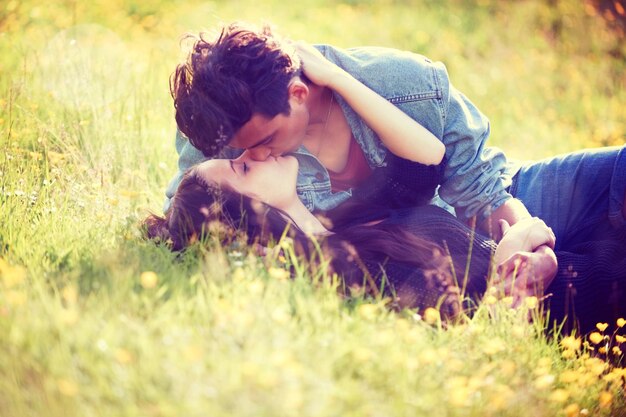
column 548, row 73
column 96, row 321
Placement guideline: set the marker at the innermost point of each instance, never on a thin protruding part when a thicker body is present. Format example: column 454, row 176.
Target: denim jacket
column 475, row 178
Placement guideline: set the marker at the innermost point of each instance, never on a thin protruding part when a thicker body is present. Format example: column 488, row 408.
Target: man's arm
column 187, row 157
column 512, row 210
column 475, row 176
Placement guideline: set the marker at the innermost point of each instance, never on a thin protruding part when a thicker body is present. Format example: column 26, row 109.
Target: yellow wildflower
column 531, row 302
column 602, row 326
column 431, row 316
column 129, row 193
column 494, row 346
column 362, row 355
column 620, row 339
column 490, row 300
column 544, row 363
column 429, row 356
column 595, row 366
column 605, row 399
column 193, row 353
column 559, row 396
column 616, row 350
column 55, row 157
column 367, row 311
column 67, row 387
column 238, row 274
column 278, row 273
column 568, row 377
column 518, row 331
column 602, row 349
column 12, row 275
column 571, row 343
column 70, row 294
column 459, row 396
column 596, row 338
column 68, row 316
column 148, row 279
column 123, row 356
column 621, row 322
column 572, row 410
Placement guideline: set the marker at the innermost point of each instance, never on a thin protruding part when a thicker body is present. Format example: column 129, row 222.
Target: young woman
column 425, row 255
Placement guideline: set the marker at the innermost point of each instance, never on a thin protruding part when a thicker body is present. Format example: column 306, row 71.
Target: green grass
column 81, row 163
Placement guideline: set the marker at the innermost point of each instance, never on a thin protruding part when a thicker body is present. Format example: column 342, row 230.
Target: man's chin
column 294, row 148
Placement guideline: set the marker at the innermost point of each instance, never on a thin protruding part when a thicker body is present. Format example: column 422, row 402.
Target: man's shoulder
column 373, row 62
column 390, row 72
column 366, row 55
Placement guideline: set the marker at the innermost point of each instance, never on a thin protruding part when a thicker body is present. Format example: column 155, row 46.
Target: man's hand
column 513, row 210
column 524, row 236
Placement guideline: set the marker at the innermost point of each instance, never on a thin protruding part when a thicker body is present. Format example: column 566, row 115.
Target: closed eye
column 264, row 142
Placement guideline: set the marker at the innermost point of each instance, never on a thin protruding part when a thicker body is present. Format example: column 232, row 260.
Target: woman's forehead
column 215, row 170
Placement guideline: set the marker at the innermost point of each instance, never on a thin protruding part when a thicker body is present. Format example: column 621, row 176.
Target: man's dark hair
column 225, row 80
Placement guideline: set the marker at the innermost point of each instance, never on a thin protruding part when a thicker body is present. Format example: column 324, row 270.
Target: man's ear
column 298, row 90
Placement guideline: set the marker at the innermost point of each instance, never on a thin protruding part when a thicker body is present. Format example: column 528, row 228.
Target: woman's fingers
column 315, row 66
column 511, row 264
column 526, row 270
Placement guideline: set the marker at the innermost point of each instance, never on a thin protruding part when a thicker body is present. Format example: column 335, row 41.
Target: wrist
column 340, row 81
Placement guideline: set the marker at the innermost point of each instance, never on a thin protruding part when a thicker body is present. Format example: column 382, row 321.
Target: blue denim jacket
column 475, row 178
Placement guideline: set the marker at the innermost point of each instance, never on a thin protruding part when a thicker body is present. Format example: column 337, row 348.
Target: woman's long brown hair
column 356, row 252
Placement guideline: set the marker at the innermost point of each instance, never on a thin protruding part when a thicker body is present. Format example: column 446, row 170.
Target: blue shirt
column 475, row 178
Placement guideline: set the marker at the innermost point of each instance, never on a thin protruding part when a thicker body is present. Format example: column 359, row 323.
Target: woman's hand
column 316, row 67
column 524, row 236
column 526, row 274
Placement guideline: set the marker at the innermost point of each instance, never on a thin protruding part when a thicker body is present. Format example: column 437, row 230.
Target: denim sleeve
column 187, row 157
column 472, row 180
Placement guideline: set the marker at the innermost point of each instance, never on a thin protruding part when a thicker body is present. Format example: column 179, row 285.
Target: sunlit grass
column 96, row 321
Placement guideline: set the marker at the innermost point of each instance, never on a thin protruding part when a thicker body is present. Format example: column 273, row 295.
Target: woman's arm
column 402, row 135
column 526, row 274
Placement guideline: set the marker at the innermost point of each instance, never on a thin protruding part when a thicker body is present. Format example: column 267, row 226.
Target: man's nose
column 258, row 154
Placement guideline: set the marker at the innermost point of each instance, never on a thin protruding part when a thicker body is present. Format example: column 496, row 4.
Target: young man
column 336, row 110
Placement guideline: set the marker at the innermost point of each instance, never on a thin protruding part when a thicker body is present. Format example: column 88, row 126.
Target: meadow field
column 96, row 321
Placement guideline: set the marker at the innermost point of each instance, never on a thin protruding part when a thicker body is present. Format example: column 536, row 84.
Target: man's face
column 264, row 137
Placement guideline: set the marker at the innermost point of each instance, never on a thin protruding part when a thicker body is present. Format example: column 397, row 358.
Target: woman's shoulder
column 425, row 214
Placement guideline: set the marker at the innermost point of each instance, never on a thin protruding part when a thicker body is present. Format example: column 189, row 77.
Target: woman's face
column 272, row 181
